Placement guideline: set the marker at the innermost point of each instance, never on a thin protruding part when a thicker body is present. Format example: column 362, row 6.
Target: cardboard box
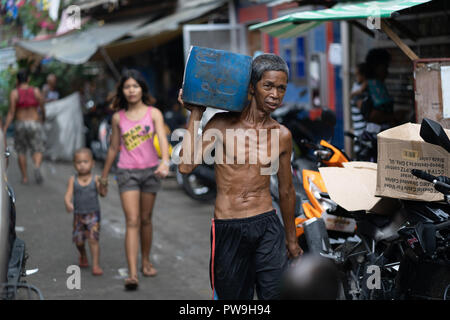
column 401, row 149
column 353, row 188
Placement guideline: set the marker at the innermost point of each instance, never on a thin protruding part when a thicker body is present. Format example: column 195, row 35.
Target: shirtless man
column 248, row 241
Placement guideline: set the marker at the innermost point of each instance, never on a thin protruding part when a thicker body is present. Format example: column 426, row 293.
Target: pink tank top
column 136, row 142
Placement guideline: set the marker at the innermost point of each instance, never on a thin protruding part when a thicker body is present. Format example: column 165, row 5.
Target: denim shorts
column 143, row 180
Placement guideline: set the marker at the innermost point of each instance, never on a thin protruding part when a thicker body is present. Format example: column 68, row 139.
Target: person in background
column 140, row 172
column 24, row 103
column 357, row 97
column 379, row 107
column 174, row 117
column 49, row 90
column 81, row 198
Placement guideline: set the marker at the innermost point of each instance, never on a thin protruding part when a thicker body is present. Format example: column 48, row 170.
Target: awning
column 173, row 22
column 160, row 31
column 79, row 47
column 294, row 24
column 88, row 4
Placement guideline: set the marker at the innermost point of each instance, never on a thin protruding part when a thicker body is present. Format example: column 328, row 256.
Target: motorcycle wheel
column 196, row 189
column 179, row 176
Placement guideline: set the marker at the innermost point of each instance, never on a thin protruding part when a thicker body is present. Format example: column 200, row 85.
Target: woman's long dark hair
column 120, row 102
column 22, row 76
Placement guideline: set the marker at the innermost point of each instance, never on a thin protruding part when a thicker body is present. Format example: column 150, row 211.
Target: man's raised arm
column 191, row 140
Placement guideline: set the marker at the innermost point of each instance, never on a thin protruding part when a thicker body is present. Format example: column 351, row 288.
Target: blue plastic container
column 217, row 79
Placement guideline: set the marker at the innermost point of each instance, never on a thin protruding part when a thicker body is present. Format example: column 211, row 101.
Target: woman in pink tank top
column 139, row 170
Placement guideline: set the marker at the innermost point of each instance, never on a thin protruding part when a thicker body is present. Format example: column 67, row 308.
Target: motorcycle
column 403, row 255
column 300, row 196
column 366, row 146
column 13, row 255
column 312, row 125
column 425, row 266
column 313, row 202
column 200, row 184
column 100, row 146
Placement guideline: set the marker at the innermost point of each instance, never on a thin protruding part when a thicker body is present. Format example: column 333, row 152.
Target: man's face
column 270, row 90
column 51, row 80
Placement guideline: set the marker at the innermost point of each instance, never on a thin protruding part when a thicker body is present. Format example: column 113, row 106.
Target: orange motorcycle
column 319, row 204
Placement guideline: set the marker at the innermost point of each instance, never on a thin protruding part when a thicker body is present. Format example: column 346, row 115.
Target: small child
column 360, row 85
column 82, row 199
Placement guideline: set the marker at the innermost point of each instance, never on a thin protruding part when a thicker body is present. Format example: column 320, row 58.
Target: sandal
column 97, row 271
column 149, row 271
column 38, row 175
column 83, row 263
column 131, row 283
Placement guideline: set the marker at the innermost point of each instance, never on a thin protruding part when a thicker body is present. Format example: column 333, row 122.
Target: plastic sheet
column 64, row 127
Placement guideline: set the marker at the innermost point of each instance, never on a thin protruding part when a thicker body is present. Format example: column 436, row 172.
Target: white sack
column 64, row 127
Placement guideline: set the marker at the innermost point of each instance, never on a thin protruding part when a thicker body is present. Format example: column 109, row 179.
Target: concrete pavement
column 180, row 248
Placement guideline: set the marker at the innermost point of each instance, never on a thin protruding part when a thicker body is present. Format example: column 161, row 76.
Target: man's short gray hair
column 267, row 62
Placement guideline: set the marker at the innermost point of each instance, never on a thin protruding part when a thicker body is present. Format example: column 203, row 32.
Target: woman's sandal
column 149, row 271
column 97, row 271
column 83, row 262
column 131, row 283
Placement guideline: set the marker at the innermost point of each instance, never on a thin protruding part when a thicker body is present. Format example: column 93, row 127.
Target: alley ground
column 180, row 249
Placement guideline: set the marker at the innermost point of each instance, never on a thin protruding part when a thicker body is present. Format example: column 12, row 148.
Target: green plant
column 7, row 83
column 70, row 77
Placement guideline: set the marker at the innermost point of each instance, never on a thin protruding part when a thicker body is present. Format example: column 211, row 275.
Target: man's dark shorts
column 247, row 253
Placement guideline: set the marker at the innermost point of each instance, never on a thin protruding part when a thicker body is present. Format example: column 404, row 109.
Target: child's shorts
column 143, row 180
column 86, row 226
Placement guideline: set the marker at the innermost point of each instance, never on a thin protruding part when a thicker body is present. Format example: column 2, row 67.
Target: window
column 293, row 51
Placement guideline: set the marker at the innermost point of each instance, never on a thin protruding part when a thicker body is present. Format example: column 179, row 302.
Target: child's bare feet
column 97, row 271
column 131, row 283
column 148, row 270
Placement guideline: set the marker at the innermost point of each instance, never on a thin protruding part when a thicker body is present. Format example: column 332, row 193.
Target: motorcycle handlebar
column 439, row 185
column 442, row 187
column 322, row 154
column 423, row 175
column 309, row 144
column 443, row 225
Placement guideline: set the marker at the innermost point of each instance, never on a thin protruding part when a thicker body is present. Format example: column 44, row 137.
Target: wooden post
column 394, row 37
column 110, row 64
